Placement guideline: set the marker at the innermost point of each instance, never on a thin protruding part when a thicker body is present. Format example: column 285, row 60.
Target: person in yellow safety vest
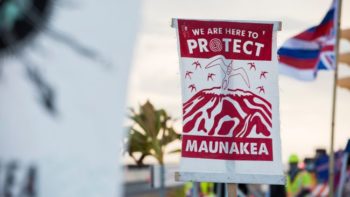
column 299, row 182
column 188, row 188
column 207, row 189
column 309, row 164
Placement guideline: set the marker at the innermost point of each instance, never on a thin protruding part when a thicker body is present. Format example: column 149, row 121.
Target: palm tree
column 151, row 133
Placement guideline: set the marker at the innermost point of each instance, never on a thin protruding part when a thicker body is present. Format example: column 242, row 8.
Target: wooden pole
column 331, row 156
column 232, row 189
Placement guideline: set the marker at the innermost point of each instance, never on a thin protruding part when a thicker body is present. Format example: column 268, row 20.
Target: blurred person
column 321, row 166
column 207, row 189
column 320, row 152
column 298, row 181
column 322, row 172
column 309, row 166
column 346, row 189
column 188, row 189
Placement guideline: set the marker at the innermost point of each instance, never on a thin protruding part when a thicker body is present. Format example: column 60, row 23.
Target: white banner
column 229, row 76
column 62, row 103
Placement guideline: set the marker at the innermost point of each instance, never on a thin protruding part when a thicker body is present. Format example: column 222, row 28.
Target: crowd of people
column 307, row 177
column 310, row 176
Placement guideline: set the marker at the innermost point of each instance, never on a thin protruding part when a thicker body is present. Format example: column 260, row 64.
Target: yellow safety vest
column 302, row 180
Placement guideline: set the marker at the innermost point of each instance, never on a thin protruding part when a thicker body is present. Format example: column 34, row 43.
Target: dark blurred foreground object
column 46, row 92
column 18, row 179
column 20, row 21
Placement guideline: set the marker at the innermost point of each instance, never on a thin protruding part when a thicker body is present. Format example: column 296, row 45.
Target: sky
column 305, row 107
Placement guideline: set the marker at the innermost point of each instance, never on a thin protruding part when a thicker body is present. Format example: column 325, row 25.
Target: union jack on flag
column 304, row 54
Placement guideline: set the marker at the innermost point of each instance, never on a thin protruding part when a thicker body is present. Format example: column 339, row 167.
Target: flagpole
column 331, row 158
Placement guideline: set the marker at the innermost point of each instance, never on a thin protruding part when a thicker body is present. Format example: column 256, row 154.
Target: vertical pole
column 331, row 157
column 195, row 189
column 218, row 189
column 232, row 189
column 162, row 181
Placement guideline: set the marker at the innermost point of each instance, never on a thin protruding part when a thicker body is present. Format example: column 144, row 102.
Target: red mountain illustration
column 227, row 113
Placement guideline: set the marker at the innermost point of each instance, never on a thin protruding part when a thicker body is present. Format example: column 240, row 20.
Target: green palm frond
column 150, row 133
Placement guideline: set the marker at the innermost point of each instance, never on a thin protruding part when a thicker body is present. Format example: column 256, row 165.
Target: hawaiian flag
column 304, row 54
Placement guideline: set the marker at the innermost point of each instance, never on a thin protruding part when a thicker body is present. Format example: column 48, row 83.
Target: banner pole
column 331, row 157
column 195, row 189
column 232, row 189
column 162, row 190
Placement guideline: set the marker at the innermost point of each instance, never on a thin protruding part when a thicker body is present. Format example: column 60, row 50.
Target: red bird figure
column 210, row 76
column 188, row 74
column 192, row 87
column 261, row 89
column 252, row 65
column 197, row 64
column 263, row 74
